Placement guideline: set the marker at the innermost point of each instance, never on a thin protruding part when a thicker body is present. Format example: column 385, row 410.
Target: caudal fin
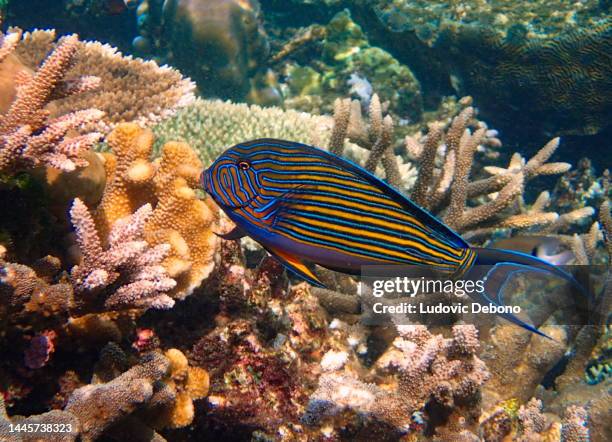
column 497, row 267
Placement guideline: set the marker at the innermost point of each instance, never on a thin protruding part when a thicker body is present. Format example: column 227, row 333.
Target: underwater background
column 123, row 316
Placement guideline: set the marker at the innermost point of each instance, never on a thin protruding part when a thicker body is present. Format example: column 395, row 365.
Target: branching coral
column 376, row 136
column 98, row 406
column 28, row 137
column 130, row 89
column 160, row 386
column 429, row 369
column 444, row 187
column 128, row 267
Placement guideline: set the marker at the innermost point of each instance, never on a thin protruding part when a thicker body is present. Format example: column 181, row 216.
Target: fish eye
column 243, row 165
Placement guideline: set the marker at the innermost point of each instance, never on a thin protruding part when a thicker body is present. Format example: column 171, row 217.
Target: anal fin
column 295, row 265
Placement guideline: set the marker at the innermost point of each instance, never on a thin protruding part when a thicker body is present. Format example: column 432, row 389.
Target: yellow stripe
column 316, row 178
column 382, row 236
column 363, row 246
column 360, row 206
column 325, row 246
column 379, row 222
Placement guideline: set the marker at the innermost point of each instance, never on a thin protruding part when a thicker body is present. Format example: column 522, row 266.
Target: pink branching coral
column 128, row 262
column 533, row 422
column 574, row 426
column 28, row 137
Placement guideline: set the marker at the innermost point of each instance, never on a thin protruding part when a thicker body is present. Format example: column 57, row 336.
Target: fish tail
column 496, row 267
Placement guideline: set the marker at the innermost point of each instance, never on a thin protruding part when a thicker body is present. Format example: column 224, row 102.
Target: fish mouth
column 206, row 184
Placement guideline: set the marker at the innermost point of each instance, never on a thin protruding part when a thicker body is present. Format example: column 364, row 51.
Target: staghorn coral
column 444, row 187
column 179, row 218
column 375, row 136
column 28, row 137
column 128, row 267
column 130, row 89
column 210, row 126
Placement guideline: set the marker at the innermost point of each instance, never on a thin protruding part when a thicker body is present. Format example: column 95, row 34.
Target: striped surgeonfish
column 306, row 205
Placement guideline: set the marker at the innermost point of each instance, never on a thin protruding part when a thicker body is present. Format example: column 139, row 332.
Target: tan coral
column 180, row 218
column 189, row 383
column 131, row 89
column 127, row 172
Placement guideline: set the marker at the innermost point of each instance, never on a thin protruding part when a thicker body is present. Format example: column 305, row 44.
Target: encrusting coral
column 28, row 137
column 130, row 89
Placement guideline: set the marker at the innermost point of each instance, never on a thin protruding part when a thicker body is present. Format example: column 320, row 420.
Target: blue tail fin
column 497, row 269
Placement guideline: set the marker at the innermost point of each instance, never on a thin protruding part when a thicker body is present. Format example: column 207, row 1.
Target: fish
column 544, row 247
column 305, row 205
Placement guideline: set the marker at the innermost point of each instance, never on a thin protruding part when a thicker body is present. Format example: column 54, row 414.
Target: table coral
column 28, row 137
column 130, row 89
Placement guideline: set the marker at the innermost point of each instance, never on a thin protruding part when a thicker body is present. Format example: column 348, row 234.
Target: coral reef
column 347, row 65
column 179, row 219
column 124, row 317
column 563, row 82
column 224, row 36
column 544, row 67
column 433, row 373
column 130, row 89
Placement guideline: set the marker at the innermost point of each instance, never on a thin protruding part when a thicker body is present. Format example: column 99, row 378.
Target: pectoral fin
column 294, row 264
column 235, row 233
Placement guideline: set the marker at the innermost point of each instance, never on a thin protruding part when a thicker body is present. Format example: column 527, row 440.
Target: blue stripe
column 327, row 183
